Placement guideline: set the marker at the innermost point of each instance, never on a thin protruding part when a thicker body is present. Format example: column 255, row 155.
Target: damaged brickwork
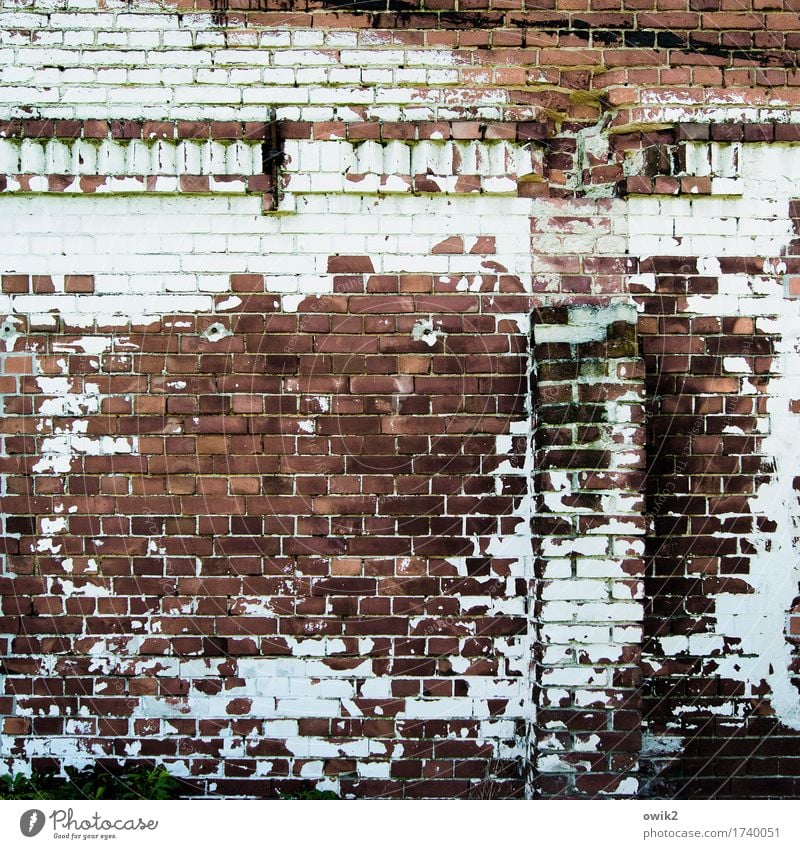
column 399, row 399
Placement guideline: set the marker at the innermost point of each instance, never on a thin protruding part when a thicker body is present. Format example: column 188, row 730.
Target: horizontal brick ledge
column 684, row 185
column 147, row 130
column 463, row 130
column 135, row 183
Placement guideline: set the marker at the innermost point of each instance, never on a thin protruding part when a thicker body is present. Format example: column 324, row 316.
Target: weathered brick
column 79, row 283
column 14, row 284
column 327, row 506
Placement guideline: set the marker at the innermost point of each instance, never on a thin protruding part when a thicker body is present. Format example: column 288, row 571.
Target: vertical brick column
column 588, row 535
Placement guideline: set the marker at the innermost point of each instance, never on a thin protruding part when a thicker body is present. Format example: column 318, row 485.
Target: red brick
column 451, row 245
column 759, row 132
column 158, row 130
column 696, row 185
column 350, row 265
column 466, row 130
column 68, row 129
column 225, row 130
column 639, row 185
column 727, row 132
column 79, row 284
column 787, row 132
column 439, row 130
column 247, row 282
column 124, row 129
column 192, row 129
column 16, row 725
column 194, row 183
column 381, row 385
column 16, row 284
column 95, row 129
column 666, row 186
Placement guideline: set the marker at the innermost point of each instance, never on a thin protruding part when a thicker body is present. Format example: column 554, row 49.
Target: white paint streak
column 755, row 622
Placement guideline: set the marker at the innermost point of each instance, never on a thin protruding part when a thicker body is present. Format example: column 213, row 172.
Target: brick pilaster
column 588, row 535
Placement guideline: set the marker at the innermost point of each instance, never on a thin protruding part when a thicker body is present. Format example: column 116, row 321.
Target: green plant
column 21, row 787
column 141, row 781
column 309, row 794
column 137, row 781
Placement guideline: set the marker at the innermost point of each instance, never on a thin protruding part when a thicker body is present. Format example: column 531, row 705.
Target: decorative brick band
column 194, row 184
column 130, row 157
column 212, row 156
column 760, row 131
column 521, row 131
column 146, row 130
column 465, row 130
column 264, row 131
column 695, row 158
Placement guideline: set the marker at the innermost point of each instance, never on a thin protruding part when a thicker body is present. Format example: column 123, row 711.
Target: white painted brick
column 761, row 227
column 438, row 708
column 574, row 589
column 651, row 225
column 278, row 76
column 12, row 74
column 178, row 58
column 304, row 58
column 176, row 38
column 82, row 95
column 376, row 76
column 281, row 728
column 276, row 687
column 274, row 38
column 574, row 676
column 698, row 159
column 341, row 95
column 146, row 22
column 340, row 38
column 273, row 95
column 244, row 76
column 111, row 76
column 726, row 186
column 367, row 58
column 76, row 38
column 206, row 94
column 22, row 20
column 344, row 76
column 33, row 56
column 19, row 94
column 307, row 38
column 307, row 707
column 211, row 76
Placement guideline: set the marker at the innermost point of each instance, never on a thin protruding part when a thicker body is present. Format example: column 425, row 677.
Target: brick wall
column 400, row 400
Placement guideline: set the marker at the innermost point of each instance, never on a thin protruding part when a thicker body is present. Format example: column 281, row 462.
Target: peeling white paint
column 754, row 623
column 229, row 303
column 424, row 331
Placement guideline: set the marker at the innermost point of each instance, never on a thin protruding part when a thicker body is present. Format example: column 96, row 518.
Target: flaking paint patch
column 424, row 330
column 68, row 442
column 758, row 619
column 754, row 622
